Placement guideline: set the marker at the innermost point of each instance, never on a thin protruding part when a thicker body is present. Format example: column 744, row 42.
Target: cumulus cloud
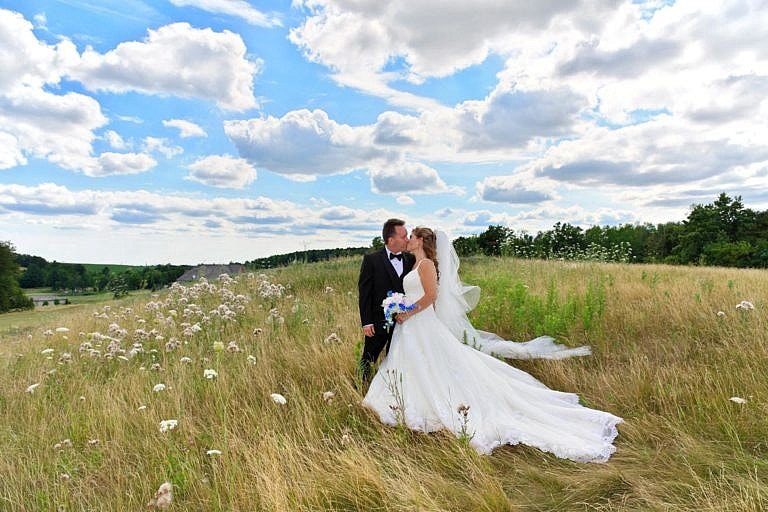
column 114, row 140
column 175, row 59
column 664, row 151
column 510, row 118
column 186, row 128
column 408, row 178
column 239, row 8
column 302, row 142
column 222, row 171
column 513, row 190
column 433, row 39
column 109, row 164
column 33, row 121
column 10, row 152
column 159, row 145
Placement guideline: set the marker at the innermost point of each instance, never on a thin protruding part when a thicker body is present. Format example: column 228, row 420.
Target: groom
column 382, row 271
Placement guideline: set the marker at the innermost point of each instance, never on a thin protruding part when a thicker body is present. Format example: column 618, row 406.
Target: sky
column 210, row 131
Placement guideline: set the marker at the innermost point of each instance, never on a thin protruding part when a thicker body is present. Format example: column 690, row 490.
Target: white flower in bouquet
column 395, row 303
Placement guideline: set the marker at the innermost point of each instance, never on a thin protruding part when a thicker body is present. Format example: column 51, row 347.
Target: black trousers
column 372, row 348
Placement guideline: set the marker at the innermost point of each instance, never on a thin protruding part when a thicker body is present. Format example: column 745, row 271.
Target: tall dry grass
column 663, row 360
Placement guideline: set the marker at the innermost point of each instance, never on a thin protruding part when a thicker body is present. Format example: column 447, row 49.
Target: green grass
column 663, row 359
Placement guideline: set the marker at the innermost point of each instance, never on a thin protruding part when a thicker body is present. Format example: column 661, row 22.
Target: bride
column 432, row 380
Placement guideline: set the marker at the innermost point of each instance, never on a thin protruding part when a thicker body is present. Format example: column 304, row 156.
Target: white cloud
column 10, row 152
column 358, row 40
column 302, row 142
column 175, row 59
column 159, row 145
column 239, row 8
column 514, row 189
column 186, row 128
column 511, row 117
column 408, row 178
column 108, row 164
column 222, row 171
column 114, row 140
column 405, row 200
column 41, row 21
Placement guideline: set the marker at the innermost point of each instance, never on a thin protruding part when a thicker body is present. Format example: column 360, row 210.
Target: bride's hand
column 401, row 317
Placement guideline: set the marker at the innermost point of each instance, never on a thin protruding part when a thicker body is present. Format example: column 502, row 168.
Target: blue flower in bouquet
column 395, row 303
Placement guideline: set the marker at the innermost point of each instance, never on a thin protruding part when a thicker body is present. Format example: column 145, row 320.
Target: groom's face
column 398, row 242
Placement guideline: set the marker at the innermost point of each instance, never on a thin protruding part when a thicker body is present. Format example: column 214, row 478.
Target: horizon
column 135, row 131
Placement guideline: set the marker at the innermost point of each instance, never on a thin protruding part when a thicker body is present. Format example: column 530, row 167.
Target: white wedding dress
column 429, row 374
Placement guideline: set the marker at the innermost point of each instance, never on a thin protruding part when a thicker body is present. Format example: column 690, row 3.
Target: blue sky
column 190, row 131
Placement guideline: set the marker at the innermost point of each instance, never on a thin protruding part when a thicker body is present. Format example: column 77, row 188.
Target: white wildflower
column 210, row 373
column 166, row 425
column 186, row 360
column 745, row 305
column 737, row 400
column 332, row 338
column 62, row 329
column 232, row 347
column 213, row 452
column 141, row 407
column 163, row 497
column 47, row 351
column 328, row 396
column 159, row 387
column 251, row 359
column 721, row 313
column 32, row 387
column 278, row 398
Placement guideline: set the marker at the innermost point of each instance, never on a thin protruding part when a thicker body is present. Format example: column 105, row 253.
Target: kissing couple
column 441, row 373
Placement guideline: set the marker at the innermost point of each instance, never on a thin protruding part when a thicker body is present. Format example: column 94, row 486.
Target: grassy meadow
column 88, row 436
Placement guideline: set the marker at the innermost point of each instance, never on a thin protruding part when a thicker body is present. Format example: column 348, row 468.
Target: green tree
column 493, row 239
column 118, row 286
column 11, row 295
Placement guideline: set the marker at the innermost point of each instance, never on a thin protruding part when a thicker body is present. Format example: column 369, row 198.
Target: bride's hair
column 429, row 244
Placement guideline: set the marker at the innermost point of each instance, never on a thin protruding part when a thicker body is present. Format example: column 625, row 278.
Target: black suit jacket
column 377, row 277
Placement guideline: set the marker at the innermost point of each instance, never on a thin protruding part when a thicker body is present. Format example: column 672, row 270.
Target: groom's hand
column 368, row 330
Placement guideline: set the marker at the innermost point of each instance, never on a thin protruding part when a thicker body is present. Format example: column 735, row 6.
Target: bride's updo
column 429, row 245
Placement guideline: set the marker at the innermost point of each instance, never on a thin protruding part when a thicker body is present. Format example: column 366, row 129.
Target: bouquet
column 395, row 303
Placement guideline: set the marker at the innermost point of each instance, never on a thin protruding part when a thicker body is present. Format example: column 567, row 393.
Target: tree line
column 308, row 256
column 722, row 233
column 76, row 277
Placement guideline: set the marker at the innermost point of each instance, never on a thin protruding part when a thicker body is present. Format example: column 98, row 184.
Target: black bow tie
column 398, row 256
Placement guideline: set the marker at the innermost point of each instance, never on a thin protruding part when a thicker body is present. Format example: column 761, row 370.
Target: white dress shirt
column 397, row 264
